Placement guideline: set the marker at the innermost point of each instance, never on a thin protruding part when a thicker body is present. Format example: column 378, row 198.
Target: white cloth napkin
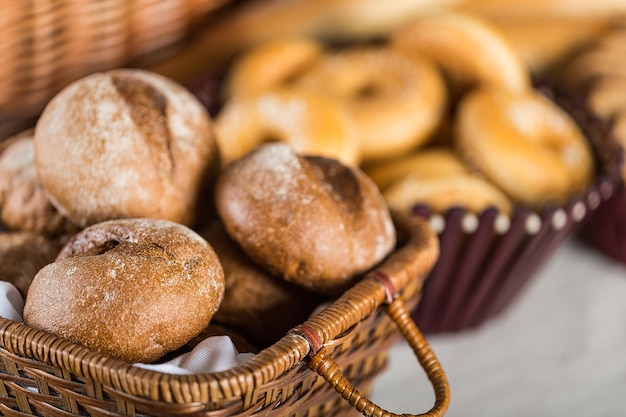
column 214, row 354
column 11, row 302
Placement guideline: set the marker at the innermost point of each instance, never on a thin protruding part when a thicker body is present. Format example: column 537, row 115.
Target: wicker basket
column 46, row 44
column 306, row 373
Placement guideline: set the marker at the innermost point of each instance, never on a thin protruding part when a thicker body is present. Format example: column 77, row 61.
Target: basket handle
column 327, row 368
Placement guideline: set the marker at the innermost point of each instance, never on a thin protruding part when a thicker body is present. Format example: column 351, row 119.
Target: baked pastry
column 125, row 143
column 525, row 144
column 23, row 254
column 310, row 122
column 439, row 179
column 258, row 306
column 132, row 289
column 397, row 101
column 597, row 77
column 272, row 64
column 545, row 43
column 310, row 220
column 24, row 204
column 483, row 57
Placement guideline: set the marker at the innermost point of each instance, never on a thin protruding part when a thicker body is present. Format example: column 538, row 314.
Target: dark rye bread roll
column 308, row 219
column 260, row 307
column 126, row 143
column 23, row 254
column 133, row 289
column 24, row 204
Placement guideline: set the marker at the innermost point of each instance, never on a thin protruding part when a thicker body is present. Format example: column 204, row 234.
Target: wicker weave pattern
column 45, row 44
column 43, row 375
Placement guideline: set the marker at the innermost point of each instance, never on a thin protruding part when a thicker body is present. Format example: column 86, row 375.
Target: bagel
column 427, row 163
column 525, row 144
column 396, row 101
column 605, row 58
column 442, row 193
column 545, row 43
column 606, row 97
column 534, row 9
column 271, row 64
column 311, row 123
column 438, row 178
column 467, row 48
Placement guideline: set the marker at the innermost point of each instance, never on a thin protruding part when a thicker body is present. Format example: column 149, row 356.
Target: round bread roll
column 260, row 307
column 23, row 254
column 24, row 204
column 132, row 289
column 310, row 220
column 123, row 144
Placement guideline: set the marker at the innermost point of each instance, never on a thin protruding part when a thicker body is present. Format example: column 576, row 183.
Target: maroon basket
column 487, row 259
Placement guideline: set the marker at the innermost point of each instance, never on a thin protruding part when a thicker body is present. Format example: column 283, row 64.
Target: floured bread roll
column 23, row 254
column 24, row 205
column 260, row 307
column 125, row 143
column 133, row 289
column 310, row 220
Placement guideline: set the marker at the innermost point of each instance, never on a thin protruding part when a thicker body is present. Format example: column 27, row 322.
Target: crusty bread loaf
column 310, row 220
column 125, row 143
column 133, row 289
column 23, row 254
column 24, row 204
column 260, row 307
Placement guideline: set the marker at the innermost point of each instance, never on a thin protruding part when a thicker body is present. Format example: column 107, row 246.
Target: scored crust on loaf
column 125, row 143
column 308, row 219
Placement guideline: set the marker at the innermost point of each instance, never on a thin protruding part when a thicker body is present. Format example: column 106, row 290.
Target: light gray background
column 559, row 350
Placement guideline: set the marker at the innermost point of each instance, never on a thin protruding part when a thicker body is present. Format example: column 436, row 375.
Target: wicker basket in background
column 309, row 372
column 46, row 44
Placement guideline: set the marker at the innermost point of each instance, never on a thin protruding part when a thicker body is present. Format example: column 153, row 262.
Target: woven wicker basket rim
column 409, row 262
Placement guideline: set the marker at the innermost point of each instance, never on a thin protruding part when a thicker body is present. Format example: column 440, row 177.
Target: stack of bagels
column 431, row 119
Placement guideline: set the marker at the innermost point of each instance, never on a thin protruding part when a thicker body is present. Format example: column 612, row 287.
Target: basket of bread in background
column 457, row 115
column 148, row 270
column 596, row 77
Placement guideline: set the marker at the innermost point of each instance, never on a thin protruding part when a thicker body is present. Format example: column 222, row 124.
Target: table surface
column 558, row 350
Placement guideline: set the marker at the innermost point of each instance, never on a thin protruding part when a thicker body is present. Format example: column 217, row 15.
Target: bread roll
column 132, row 289
column 310, row 220
column 260, row 307
column 24, row 204
column 23, row 254
column 125, row 143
